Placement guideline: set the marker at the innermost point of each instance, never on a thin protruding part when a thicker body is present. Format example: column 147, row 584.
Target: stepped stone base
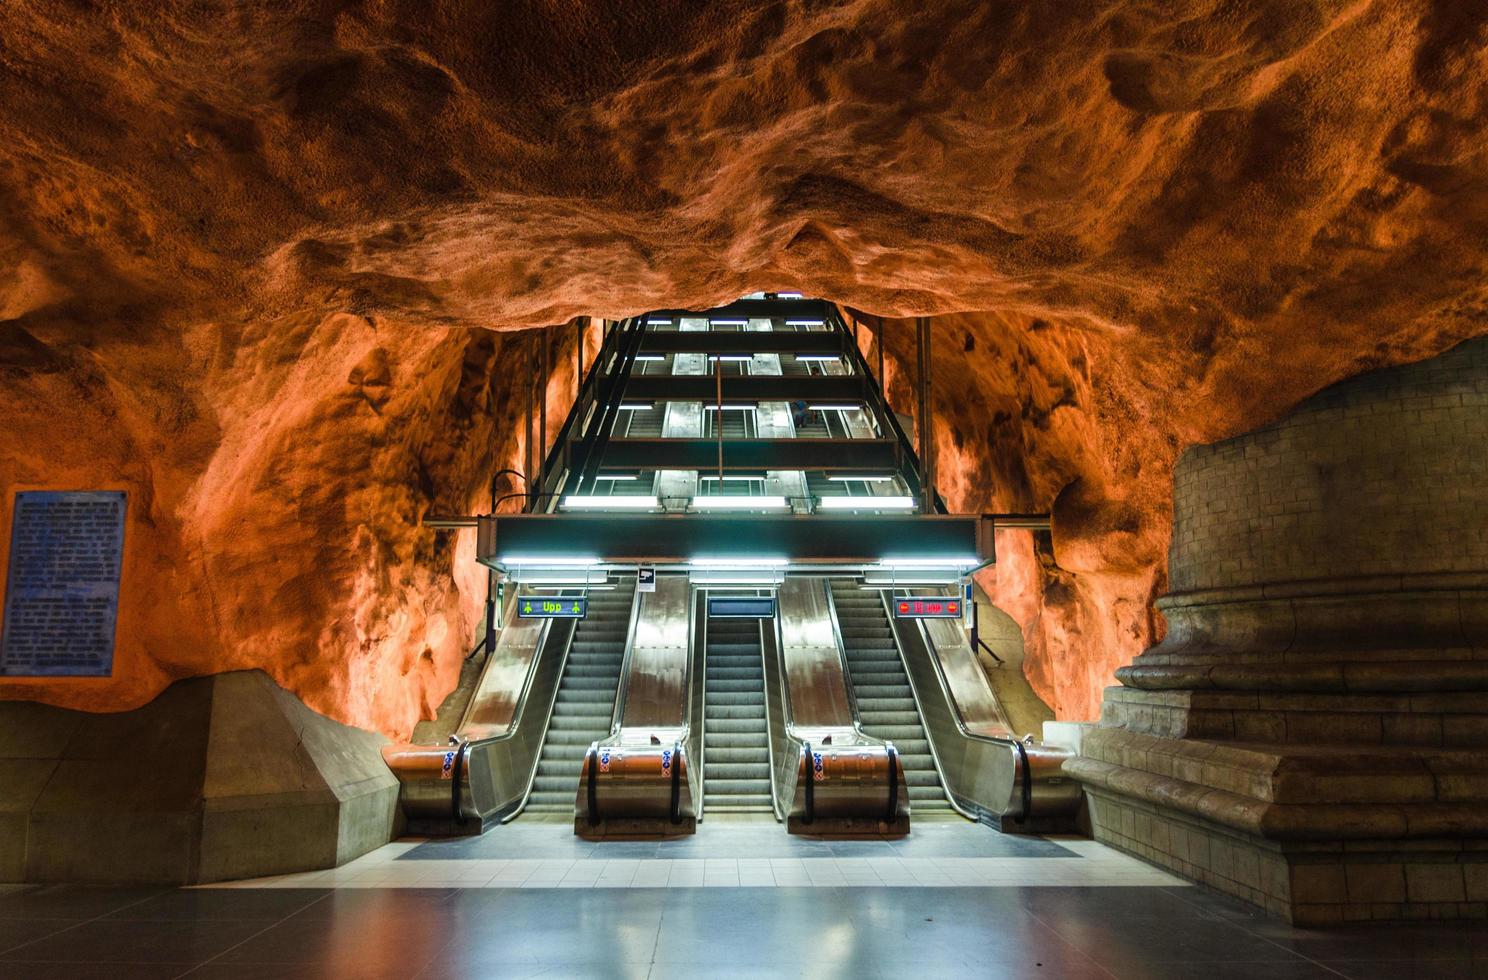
column 220, row 777
column 1312, row 733
column 1316, row 835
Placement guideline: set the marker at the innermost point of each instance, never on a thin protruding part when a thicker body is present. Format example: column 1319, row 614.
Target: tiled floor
column 535, row 854
column 962, row 902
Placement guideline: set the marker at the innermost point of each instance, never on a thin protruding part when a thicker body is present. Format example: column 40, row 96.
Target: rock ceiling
column 265, row 267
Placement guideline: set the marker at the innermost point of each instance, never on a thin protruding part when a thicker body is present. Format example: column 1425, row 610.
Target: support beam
column 669, row 538
column 752, row 342
column 833, row 455
column 748, row 388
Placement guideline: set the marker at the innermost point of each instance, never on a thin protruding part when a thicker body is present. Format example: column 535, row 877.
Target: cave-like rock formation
column 260, row 266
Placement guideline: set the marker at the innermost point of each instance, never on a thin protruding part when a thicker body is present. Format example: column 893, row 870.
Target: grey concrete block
column 219, row 777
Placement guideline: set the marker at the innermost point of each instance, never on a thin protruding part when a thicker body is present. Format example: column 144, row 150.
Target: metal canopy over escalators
column 744, row 452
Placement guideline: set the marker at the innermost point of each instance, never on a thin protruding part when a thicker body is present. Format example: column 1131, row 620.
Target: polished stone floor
column 531, row 901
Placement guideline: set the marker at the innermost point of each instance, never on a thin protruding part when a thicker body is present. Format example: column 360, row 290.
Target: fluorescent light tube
column 950, row 561
column 616, row 502
column 653, row 358
column 804, row 323
column 652, row 321
column 743, row 562
column 817, row 358
column 835, row 407
column 731, row 358
column 731, row 408
column 860, row 479
column 866, row 503
column 549, row 561
column 766, row 502
column 635, row 407
column 727, row 323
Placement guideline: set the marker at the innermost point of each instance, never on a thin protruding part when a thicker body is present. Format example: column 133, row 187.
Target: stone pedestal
column 1312, row 734
column 219, row 777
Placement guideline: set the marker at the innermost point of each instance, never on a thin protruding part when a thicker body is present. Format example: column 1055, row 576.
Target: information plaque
column 552, row 607
column 927, row 607
column 62, row 588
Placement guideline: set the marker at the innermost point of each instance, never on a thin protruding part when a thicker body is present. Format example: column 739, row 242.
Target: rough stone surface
column 218, row 778
column 249, row 255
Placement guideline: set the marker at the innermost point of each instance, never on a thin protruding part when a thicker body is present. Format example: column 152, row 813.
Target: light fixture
column 744, row 562
column 548, row 561
column 731, row 358
column 866, row 503
column 805, row 323
column 615, row 502
column 617, row 476
column 728, row 578
column 727, row 323
column 949, row 561
column 650, row 358
column 890, row 579
column 835, row 407
column 636, row 406
column 764, row 502
column 790, row 295
column 817, row 358
column 653, row 321
column 733, row 476
column 875, row 478
column 730, row 408
column 560, row 577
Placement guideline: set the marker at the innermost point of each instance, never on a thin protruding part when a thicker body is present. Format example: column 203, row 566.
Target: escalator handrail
column 593, row 445
column 879, row 402
column 1024, row 770
column 588, row 394
column 622, row 689
column 810, row 776
column 893, row 754
column 677, row 764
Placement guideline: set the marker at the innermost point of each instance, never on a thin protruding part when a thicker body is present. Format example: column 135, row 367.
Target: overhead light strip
column 613, row 502
column 867, row 503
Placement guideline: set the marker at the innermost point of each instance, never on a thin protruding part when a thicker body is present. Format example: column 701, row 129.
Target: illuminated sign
column 741, row 607
column 927, row 607
column 552, row 607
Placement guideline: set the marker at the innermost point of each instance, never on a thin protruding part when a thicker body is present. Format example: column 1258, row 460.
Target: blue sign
column 741, row 607
column 553, row 607
column 62, row 590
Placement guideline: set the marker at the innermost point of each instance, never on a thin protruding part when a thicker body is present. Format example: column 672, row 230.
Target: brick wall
column 1386, row 473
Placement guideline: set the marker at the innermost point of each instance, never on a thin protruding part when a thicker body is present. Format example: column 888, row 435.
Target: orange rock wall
column 260, row 266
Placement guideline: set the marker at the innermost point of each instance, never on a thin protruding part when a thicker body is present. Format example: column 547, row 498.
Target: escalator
column 886, row 702
column 736, row 749
column 585, row 705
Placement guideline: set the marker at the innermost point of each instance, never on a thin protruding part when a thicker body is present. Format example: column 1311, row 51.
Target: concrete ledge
column 220, row 777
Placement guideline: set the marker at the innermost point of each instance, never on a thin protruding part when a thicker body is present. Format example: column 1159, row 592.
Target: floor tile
column 126, row 941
